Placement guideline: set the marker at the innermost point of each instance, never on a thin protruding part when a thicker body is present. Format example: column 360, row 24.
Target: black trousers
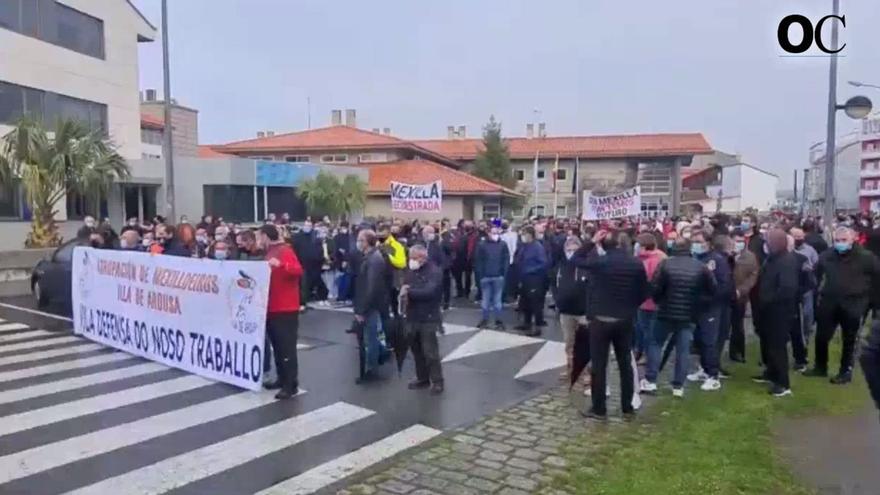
column 447, row 287
column 267, row 360
column 315, row 288
column 870, row 360
column 464, row 275
column 532, row 297
column 426, row 352
column 737, row 347
column 775, row 332
column 283, row 330
column 798, row 339
column 829, row 316
column 618, row 334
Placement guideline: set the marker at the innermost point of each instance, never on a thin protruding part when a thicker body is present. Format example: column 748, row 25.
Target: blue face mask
column 220, row 255
column 637, row 248
column 697, row 249
column 842, row 247
column 745, row 225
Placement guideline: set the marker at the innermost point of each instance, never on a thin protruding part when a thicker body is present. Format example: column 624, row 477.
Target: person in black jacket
column 571, row 293
column 620, row 287
column 371, row 298
column 423, row 293
column 870, row 360
column 778, row 301
column 813, row 237
column 307, row 250
column 849, row 281
column 447, row 244
column 681, row 285
column 492, row 261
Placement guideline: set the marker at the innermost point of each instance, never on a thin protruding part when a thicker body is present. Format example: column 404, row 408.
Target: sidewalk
column 514, row 452
column 834, row 455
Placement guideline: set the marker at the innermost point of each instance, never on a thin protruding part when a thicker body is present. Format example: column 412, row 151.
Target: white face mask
column 414, row 265
column 494, row 237
column 430, row 237
column 147, row 242
column 220, row 255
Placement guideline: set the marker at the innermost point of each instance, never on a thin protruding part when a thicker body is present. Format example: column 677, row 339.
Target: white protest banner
column 417, row 197
column 203, row 316
column 623, row 204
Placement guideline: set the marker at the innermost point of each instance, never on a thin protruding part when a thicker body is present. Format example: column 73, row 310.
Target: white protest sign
column 417, row 197
column 203, row 316
column 622, row 204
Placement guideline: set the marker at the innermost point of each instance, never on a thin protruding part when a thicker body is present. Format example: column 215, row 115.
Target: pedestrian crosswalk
column 79, row 418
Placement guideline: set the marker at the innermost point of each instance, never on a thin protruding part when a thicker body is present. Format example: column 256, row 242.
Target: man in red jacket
column 282, row 320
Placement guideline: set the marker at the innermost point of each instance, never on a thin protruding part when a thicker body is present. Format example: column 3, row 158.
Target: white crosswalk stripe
column 342, row 467
column 55, row 454
column 68, row 410
column 63, row 366
column 11, row 327
column 200, row 463
column 30, row 358
column 42, row 344
column 78, row 382
column 31, row 458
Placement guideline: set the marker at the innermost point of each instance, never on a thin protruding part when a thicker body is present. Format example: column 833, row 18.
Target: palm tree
column 71, row 159
column 354, row 194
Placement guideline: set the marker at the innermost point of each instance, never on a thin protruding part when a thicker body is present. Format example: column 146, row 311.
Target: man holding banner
column 282, row 320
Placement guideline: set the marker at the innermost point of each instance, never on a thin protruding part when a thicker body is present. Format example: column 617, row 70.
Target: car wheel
column 39, row 295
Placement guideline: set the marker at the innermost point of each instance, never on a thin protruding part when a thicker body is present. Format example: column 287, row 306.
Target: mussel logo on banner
column 243, row 293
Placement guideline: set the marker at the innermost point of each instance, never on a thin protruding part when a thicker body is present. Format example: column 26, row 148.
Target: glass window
column 561, row 174
column 297, row 158
column 30, row 17
column 491, row 210
column 10, row 201
column 562, row 211
column 233, row 203
column 34, row 103
column 11, row 102
column 79, row 32
column 519, row 175
column 539, row 210
column 541, row 174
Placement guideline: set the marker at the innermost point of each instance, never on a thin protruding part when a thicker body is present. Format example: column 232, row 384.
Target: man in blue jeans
column 371, row 300
column 492, row 260
column 680, row 285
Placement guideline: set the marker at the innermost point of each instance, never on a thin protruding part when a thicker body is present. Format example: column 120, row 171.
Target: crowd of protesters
column 647, row 288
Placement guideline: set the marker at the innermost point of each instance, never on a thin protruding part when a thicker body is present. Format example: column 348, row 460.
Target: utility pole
column 168, row 148
column 830, row 138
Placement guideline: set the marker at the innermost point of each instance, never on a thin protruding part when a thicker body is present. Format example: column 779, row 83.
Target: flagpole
column 577, row 197
column 535, row 181
column 555, row 185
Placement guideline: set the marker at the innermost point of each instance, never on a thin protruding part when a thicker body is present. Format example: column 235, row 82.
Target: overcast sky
column 590, row 66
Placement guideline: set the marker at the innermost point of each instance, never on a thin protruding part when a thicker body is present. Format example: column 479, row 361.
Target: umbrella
column 395, row 334
column 580, row 354
column 357, row 328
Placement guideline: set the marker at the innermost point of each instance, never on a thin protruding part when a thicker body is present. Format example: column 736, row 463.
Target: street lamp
column 856, row 107
column 859, row 84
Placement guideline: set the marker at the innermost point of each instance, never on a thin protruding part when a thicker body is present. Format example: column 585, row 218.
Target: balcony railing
column 869, row 172
column 870, row 192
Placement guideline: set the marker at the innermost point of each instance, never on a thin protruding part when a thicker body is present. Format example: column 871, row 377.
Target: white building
column 722, row 182
column 69, row 58
column 848, row 161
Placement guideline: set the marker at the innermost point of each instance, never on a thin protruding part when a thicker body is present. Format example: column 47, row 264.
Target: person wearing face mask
column 805, row 321
column 651, row 257
column 777, row 301
column 745, row 276
column 437, row 256
column 130, row 241
column 219, row 251
column 531, row 263
column 306, row 247
column 203, row 242
column 465, row 246
column 147, row 242
column 813, row 236
column 571, row 293
column 423, row 294
column 88, row 228
column 709, row 322
column 849, row 281
column 327, row 290
column 492, row 263
column 509, row 237
column 343, row 245
column 395, row 254
column 371, row 300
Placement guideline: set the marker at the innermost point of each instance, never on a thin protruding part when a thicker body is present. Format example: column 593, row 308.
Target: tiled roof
column 634, row 145
column 208, row 151
column 150, row 122
column 424, row 171
column 330, row 138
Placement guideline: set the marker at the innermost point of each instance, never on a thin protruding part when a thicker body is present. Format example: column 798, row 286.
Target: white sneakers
column 647, row 387
column 710, row 385
column 698, row 376
column 588, row 392
column 678, row 392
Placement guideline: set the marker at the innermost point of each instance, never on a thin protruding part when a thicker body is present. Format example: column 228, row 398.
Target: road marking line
column 551, row 356
column 63, row 366
column 36, row 312
column 30, row 358
column 48, row 456
column 346, row 465
column 489, row 341
column 15, row 337
column 38, row 345
column 38, row 390
column 11, row 327
column 68, row 410
column 191, row 466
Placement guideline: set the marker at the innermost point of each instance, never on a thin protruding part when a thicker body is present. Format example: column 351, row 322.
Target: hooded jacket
column 651, row 260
